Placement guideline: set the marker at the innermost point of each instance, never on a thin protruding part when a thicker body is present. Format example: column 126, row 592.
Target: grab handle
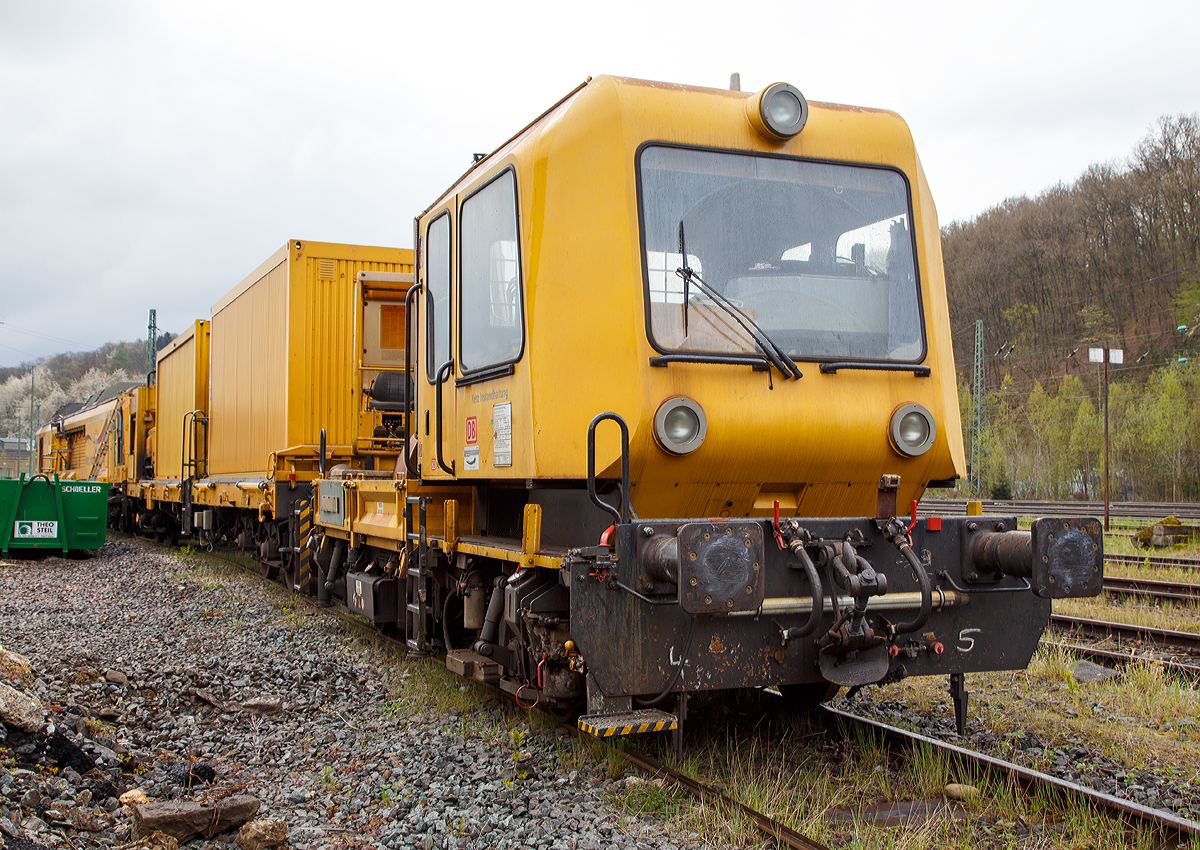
column 623, row 514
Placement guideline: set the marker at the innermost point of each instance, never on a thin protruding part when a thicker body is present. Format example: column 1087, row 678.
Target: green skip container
column 40, row 513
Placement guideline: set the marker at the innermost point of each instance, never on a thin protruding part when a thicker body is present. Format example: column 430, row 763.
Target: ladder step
column 627, row 723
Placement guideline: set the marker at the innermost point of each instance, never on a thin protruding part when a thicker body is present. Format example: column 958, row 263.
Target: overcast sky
column 153, row 154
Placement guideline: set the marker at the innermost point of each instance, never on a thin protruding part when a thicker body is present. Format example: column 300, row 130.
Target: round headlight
column 680, row 425
column 912, row 430
column 782, row 111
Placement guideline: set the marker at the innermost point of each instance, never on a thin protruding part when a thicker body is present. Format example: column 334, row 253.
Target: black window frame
column 432, row 367
column 637, row 171
column 507, row 366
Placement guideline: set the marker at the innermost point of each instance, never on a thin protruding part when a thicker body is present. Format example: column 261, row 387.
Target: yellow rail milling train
column 645, row 417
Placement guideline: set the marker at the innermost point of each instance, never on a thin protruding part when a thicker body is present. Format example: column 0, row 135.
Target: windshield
column 819, row 255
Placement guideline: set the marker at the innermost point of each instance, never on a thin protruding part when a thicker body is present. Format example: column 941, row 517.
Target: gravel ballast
column 195, row 686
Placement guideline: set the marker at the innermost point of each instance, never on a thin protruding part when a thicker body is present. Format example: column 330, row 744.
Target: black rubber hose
column 446, row 622
column 687, row 646
column 818, row 592
column 926, row 592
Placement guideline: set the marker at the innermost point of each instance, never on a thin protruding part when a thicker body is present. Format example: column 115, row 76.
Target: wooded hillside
column 60, row 378
column 1109, row 261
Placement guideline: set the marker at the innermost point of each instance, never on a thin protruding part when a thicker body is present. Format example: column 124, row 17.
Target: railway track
column 1029, row 779
column 1127, row 510
column 1165, row 590
column 784, row 835
column 1159, row 561
column 1108, row 656
column 1106, row 629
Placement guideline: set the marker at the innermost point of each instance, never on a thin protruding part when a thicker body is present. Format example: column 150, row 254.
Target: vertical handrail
column 185, row 470
column 409, row 304
column 321, row 461
column 445, row 369
column 623, row 515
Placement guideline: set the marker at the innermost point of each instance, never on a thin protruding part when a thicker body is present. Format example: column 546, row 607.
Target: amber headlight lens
column 912, row 430
column 680, row 425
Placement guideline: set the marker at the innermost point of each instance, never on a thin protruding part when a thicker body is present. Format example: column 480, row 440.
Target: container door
column 384, row 384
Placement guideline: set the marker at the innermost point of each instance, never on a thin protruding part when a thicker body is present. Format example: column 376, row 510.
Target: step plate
column 628, row 723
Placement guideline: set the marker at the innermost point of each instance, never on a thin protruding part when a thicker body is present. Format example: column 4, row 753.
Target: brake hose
column 818, row 592
column 926, row 589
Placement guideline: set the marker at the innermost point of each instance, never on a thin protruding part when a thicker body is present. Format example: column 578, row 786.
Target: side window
column 492, row 326
column 437, row 282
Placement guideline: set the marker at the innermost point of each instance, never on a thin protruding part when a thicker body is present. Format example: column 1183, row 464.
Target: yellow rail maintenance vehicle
column 680, row 368
column 246, row 398
column 104, row 438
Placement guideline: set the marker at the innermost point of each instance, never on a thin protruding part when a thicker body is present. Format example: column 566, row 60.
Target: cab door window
column 437, row 277
column 491, row 332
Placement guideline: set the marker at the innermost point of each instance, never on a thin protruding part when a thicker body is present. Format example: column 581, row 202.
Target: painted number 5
column 964, row 638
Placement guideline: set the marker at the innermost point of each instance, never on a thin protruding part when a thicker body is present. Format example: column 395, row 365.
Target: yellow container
column 286, row 350
column 182, row 390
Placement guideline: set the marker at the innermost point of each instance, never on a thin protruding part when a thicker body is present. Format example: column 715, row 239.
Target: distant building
column 14, row 456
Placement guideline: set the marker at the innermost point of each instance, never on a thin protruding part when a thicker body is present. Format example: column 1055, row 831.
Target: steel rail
column 1160, row 561
column 1031, row 507
column 783, row 834
column 1189, row 671
column 1102, row 629
column 1170, row 590
column 1028, row 777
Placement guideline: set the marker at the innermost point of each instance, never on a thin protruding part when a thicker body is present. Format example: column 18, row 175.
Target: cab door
column 437, row 443
column 491, row 325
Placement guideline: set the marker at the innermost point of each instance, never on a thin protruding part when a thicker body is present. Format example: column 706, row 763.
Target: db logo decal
column 472, row 431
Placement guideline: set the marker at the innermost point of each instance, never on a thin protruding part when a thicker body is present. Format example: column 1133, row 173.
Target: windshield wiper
column 775, row 354
column 687, row 276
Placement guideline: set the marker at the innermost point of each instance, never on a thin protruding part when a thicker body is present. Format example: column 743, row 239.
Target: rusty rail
column 783, row 834
column 1032, row 507
column 1187, row 671
column 1169, row 590
column 1027, row 777
column 1104, row 629
column 1161, row 561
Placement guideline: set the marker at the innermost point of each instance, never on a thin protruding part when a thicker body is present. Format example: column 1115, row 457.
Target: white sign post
column 1115, row 355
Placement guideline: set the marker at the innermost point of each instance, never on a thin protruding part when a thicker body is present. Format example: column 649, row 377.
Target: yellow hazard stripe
column 609, row 731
